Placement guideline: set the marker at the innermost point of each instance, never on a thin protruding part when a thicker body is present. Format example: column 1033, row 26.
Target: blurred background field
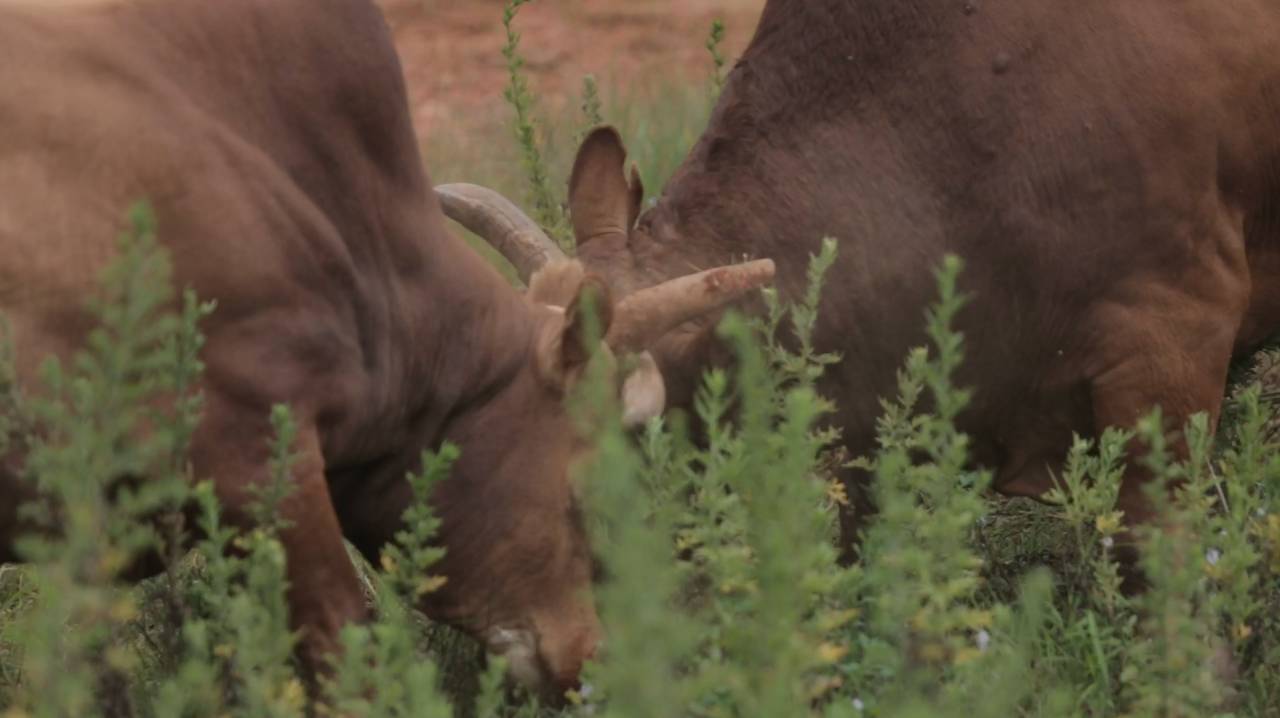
column 451, row 51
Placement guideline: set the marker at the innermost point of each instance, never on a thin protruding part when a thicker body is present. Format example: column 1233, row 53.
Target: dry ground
column 452, row 50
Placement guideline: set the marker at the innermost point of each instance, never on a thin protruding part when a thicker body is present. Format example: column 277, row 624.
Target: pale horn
column 644, row 316
column 500, row 223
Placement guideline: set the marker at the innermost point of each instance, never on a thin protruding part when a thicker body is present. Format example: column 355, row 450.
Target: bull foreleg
column 324, row 594
column 1167, row 346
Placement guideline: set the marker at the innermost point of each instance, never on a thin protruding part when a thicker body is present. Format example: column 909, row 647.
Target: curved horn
column 644, row 316
column 500, row 223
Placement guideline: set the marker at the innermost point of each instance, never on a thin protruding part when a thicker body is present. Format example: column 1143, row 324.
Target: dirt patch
column 452, row 49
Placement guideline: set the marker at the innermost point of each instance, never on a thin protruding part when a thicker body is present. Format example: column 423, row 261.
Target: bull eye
column 599, row 571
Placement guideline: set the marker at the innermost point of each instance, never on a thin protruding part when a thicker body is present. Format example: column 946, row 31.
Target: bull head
column 554, row 641
column 556, row 627
column 641, row 318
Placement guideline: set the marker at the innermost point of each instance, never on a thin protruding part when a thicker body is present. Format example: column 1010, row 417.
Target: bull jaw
column 519, row 647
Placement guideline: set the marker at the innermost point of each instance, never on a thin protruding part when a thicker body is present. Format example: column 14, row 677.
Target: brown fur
column 273, row 139
column 1109, row 170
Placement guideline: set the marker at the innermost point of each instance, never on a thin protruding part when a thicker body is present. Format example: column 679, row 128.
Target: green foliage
column 210, row 637
column 237, row 646
column 793, row 358
column 722, row 598
column 714, row 39
column 135, row 376
column 923, row 581
column 408, row 561
column 12, row 415
column 592, row 112
column 547, row 210
column 745, row 613
column 742, row 624
column 382, row 671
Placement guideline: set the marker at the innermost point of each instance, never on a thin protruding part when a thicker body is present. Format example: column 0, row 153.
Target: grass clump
column 715, row 38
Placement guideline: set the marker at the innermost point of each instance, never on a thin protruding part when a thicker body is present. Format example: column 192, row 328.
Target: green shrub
column 723, row 597
column 714, row 39
column 211, row 637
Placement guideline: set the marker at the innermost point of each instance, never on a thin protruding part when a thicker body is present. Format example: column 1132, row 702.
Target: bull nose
column 519, row 648
column 565, row 670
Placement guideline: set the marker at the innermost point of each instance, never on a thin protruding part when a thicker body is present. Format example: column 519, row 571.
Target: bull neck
column 476, row 327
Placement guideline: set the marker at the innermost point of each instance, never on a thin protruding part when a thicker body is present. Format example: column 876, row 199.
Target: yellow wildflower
column 123, row 610
column 292, row 695
column 933, row 652
column 431, row 583
column 837, row 493
column 831, row 652
column 1108, row 524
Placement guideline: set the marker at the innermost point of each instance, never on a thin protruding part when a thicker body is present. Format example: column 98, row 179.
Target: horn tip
column 759, row 271
column 739, row 278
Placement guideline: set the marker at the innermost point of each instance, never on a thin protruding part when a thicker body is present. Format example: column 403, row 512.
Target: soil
column 452, row 49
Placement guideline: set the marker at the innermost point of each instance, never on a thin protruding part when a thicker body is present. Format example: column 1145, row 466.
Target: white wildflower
column 983, row 639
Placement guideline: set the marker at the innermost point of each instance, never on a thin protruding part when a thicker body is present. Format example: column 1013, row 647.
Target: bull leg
column 17, row 492
column 1175, row 359
column 324, row 593
column 854, row 515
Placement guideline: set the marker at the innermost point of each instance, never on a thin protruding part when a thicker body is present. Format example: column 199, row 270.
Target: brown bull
column 1109, row 170
column 274, row 141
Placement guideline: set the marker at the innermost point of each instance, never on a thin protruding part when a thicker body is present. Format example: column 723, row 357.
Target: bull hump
column 64, row 3
column 56, row 5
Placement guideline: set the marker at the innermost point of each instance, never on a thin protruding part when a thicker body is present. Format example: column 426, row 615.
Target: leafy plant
column 714, row 40
column 547, row 210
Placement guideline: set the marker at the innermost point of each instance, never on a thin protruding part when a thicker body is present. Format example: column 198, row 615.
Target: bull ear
column 644, row 393
column 586, row 320
column 556, row 283
column 601, row 199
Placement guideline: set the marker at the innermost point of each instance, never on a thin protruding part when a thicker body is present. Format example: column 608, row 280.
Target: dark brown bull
column 1109, row 170
column 274, row 140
